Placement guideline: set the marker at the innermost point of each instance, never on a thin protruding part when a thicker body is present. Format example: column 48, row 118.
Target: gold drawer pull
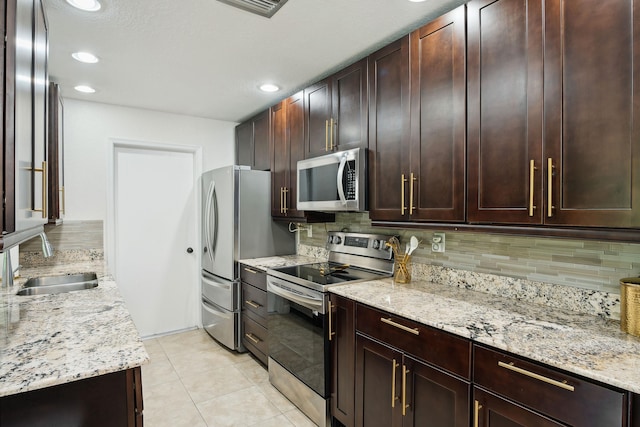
column 405, row 371
column 252, row 338
column 252, row 304
column 532, row 169
column 403, row 207
column 248, row 270
column 511, row 367
column 331, row 332
column 388, row 321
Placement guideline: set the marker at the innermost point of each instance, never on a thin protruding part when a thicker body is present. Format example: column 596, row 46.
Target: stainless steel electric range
column 298, row 304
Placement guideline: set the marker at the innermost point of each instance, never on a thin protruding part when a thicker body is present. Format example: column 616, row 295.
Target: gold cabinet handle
column 249, row 270
column 402, row 181
column 252, row 303
column 388, row 321
column 510, row 366
column 550, row 206
column 476, row 412
column 326, row 135
column 405, row 371
column 281, row 199
column 532, row 169
column 393, row 383
column 331, row 332
column 331, row 135
column 411, row 207
column 43, row 169
column 285, row 191
column 252, row 338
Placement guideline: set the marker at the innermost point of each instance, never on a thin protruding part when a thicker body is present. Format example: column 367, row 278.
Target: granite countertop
column 587, row 345
column 278, row 261
column 48, row 340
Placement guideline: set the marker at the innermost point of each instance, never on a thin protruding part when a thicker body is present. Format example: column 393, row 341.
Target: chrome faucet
column 7, row 268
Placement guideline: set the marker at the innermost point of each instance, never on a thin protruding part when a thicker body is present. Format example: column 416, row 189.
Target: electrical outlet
column 309, row 231
column 437, row 242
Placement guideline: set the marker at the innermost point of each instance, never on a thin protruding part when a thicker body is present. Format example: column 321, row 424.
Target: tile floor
column 192, row 381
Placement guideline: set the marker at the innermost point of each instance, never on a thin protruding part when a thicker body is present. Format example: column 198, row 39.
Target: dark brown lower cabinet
column 493, row 411
column 394, row 389
column 110, row 400
column 342, row 337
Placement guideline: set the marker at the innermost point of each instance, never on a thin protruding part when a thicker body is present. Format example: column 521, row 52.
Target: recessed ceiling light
column 268, row 87
column 84, row 89
column 85, row 57
column 412, row 1
column 88, row 5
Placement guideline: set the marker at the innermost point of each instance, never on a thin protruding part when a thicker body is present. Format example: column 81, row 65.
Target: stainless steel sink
column 59, row 284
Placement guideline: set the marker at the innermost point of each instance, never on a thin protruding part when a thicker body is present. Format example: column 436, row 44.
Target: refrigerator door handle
column 210, row 308
column 214, row 239
column 207, row 222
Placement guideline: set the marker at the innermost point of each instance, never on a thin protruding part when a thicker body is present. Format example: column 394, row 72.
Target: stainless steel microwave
column 333, row 182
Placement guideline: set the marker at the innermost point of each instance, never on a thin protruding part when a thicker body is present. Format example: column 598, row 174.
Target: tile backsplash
column 585, row 264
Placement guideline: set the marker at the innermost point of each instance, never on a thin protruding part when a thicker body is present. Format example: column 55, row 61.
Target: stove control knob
column 330, row 239
column 376, row 244
column 383, row 245
column 337, row 240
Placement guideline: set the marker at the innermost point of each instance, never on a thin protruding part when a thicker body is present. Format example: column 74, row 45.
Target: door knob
column 189, row 250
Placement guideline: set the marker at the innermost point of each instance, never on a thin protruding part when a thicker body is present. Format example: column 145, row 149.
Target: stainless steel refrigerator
column 236, row 224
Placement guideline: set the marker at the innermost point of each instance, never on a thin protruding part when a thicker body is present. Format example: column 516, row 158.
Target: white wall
column 88, row 127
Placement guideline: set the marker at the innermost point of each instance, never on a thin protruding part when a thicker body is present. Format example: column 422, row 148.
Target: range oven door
column 298, row 341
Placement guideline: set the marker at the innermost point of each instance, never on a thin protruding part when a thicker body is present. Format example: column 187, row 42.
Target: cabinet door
column 261, row 144
column 434, row 398
column 280, row 159
column 591, row 112
column 317, row 99
column 244, row 143
column 295, row 142
column 389, row 131
column 349, row 107
column 438, row 82
column 55, row 153
column 378, row 384
column 493, row 411
column 505, row 74
column 342, row 337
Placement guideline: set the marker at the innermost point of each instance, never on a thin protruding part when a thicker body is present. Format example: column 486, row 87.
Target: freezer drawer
column 221, row 324
column 220, row 291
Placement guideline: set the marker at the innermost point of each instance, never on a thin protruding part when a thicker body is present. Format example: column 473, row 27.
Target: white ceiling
column 205, row 58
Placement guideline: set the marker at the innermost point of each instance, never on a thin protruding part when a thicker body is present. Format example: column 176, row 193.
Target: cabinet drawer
column 549, row 391
column 253, row 276
column 439, row 348
column 254, row 301
column 254, row 338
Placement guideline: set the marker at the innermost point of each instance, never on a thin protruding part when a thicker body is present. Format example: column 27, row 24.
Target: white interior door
column 155, row 220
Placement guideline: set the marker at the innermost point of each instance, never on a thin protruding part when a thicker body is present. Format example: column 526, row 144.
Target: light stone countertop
column 587, row 345
column 48, row 340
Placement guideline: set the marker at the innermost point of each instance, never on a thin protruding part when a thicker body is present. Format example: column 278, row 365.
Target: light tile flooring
column 192, row 381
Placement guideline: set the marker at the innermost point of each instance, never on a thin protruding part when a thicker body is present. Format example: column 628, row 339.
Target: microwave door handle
column 343, row 162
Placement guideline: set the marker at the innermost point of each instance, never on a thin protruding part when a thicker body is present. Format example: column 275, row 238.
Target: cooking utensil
column 413, row 244
column 335, row 269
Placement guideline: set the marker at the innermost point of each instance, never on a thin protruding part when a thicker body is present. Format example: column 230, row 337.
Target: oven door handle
column 305, row 301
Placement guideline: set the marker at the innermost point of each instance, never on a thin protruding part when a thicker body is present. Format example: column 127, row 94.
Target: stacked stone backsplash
column 580, row 275
column 72, row 241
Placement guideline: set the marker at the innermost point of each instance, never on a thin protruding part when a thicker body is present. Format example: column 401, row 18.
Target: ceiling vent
column 259, row 7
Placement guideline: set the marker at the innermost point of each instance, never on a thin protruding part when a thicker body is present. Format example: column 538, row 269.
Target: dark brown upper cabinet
column 552, row 132
column 435, row 189
column 288, row 138
column 252, row 142
column 505, row 111
column 591, row 113
column 417, row 125
column 336, row 111
column 388, row 130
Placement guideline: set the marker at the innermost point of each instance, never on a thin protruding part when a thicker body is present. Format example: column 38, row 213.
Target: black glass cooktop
column 323, row 273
